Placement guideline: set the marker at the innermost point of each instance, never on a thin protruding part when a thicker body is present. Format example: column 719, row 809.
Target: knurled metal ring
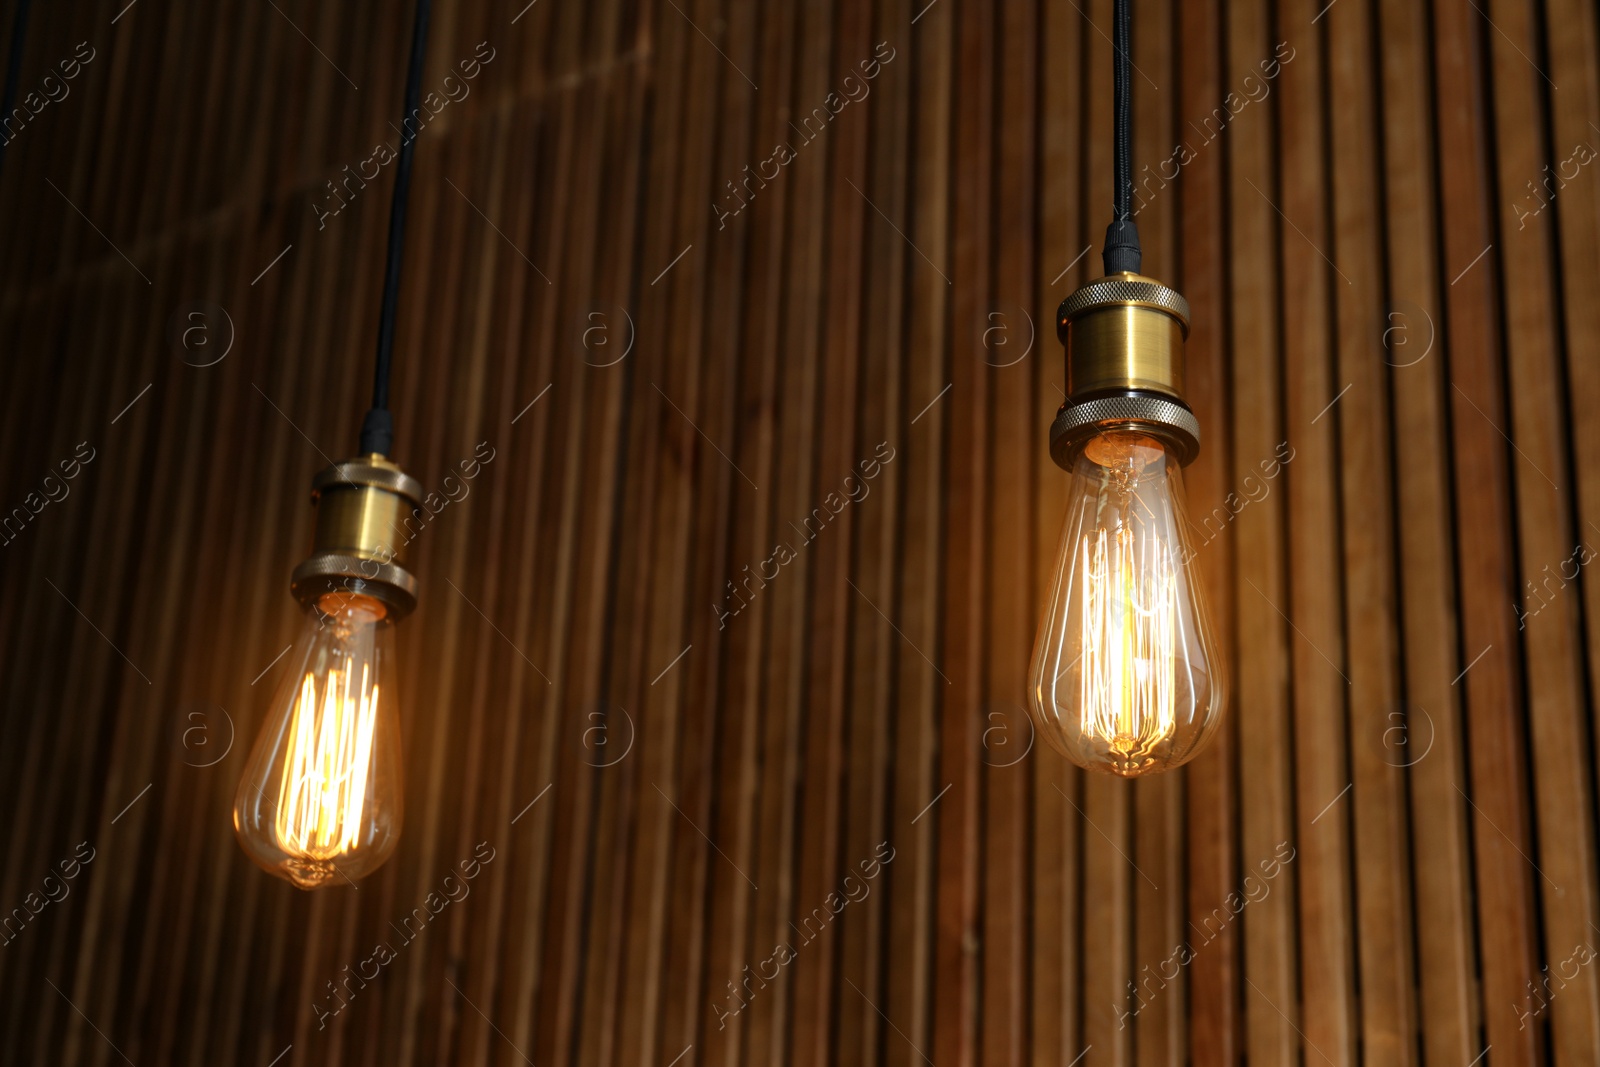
column 1168, row 419
column 1122, row 291
column 328, row 572
column 361, row 472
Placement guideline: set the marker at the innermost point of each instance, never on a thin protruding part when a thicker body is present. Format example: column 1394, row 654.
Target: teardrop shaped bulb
column 321, row 798
column 1126, row 676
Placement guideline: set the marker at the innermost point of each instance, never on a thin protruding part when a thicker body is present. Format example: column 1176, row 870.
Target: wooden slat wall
column 1387, row 221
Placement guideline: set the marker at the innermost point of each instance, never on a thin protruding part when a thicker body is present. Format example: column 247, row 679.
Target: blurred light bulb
column 321, row 797
column 1125, row 677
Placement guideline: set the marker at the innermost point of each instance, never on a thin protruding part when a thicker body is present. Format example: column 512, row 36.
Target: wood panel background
column 1386, row 218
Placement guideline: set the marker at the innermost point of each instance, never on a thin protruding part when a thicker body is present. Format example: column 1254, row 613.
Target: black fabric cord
column 1122, row 103
column 1122, row 236
column 377, row 430
column 19, row 30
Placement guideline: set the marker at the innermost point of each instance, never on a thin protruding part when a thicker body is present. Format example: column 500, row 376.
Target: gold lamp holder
column 362, row 506
column 1124, row 337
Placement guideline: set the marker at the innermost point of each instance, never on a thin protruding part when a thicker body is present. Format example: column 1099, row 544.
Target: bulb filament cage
column 324, row 787
column 1128, row 681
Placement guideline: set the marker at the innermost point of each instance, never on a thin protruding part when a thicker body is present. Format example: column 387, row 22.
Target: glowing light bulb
column 321, row 798
column 1125, row 677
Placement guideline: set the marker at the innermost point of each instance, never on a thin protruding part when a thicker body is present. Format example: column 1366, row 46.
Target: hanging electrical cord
column 8, row 100
column 335, row 719
column 377, row 429
column 1122, row 433
column 1122, row 236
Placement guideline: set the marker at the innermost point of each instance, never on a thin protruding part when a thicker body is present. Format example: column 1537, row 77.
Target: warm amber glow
column 1129, row 623
column 324, row 784
column 320, row 800
column 1125, row 678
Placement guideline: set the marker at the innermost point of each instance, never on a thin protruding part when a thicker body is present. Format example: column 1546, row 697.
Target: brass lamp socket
column 1124, row 337
column 362, row 505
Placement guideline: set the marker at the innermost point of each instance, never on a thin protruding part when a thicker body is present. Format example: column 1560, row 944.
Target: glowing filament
column 324, row 786
column 1129, row 656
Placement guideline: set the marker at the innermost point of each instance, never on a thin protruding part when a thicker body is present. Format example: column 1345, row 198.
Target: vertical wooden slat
column 869, row 827
column 53, row 557
column 534, row 757
column 1304, row 466
column 924, row 50
column 780, row 908
column 1404, row 664
column 833, row 602
column 1487, row 662
column 602, row 728
column 957, row 1003
column 1545, row 544
column 681, row 465
column 1211, row 789
column 1573, row 59
column 1064, row 259
column 1572, row 49
column 1263, row 630
column 1378, row 798
column 1010, row 619
column 739, row 603
column 1426, row 737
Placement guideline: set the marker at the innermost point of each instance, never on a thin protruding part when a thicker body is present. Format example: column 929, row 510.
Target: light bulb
column 321, row 798
column 1125, row 678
